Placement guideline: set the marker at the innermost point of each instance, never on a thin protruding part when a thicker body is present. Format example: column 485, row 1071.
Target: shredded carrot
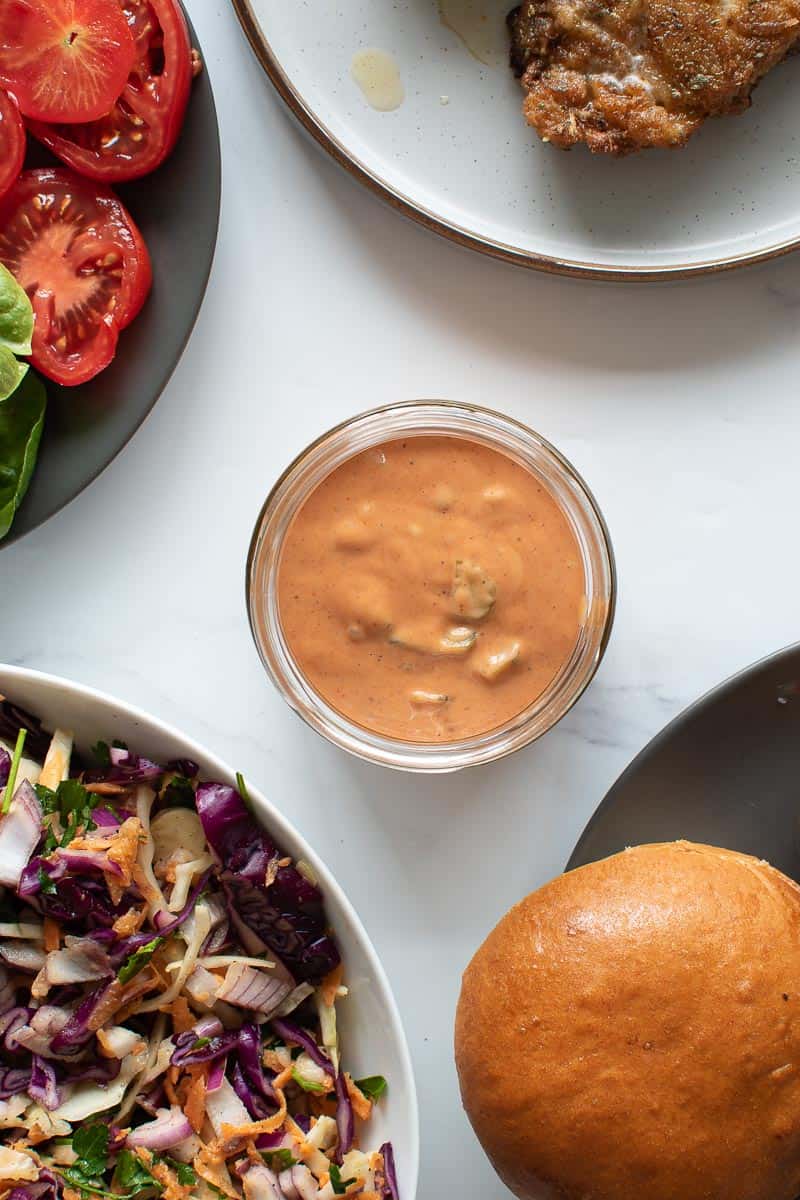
column 125, row 847
column 182, row 1018
column 129, row 922
column 331, row 984
column 322, row 1106
column 195, row 1104
column 166, row 1177
column 105, row 789
column 280, row 1081
column 253, row 1128
column 362, row 1105
column 52, row 934
column 208, row 1166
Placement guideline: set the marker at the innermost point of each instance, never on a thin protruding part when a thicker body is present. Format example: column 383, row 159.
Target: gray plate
column 725, row 772
column 177, row 210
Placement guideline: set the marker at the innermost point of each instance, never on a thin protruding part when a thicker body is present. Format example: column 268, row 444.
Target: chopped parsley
column 46, row 884
column 131, row 1175
column 130, row 1178
column 373, row 1086
column 179, row 792
column 101, row 751
column 90, row 1144
column 338, row 1184
column 73, row 806
column 278, row 1160
column 307, row 1085
column 138, row 960
column 186, row 1175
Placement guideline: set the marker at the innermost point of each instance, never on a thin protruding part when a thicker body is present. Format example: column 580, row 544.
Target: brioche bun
column 631, row 1031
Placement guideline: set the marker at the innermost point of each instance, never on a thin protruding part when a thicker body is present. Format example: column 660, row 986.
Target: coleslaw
column 168, row 991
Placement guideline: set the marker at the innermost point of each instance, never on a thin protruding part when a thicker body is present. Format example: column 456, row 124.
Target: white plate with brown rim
column 455, row 154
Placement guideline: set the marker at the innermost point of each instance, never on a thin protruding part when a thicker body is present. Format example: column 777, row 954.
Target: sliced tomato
column 143, row 126
column 64, row 60
column 73, row 247
column 12, row 142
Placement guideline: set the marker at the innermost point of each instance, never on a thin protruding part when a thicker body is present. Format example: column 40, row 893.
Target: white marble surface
column 679, row 404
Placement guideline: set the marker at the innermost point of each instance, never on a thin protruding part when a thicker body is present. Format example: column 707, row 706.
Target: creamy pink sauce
column 430, row 589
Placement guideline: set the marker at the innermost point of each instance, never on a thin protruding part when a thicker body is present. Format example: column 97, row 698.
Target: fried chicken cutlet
column 625, row 75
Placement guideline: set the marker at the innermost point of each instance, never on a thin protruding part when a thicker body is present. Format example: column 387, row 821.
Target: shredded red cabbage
column 391, row 1190
column 289, row 1032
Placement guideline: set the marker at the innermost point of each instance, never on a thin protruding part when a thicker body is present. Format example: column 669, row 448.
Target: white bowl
column 372, row 1035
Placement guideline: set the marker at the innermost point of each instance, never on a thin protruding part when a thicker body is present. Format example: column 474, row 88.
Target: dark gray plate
column 177, row 210
column 725, row 772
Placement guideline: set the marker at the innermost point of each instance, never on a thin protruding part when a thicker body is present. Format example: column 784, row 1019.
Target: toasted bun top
column 631, row 1031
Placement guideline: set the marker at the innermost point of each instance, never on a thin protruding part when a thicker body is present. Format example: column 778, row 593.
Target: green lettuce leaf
column 21, row 423
column 12, row 372
column 16, row 315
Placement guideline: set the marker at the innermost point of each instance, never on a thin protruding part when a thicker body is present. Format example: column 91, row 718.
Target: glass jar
column 421, row 418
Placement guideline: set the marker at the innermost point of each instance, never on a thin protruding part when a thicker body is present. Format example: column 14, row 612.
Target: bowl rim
column 286, row 831
column 408, row 207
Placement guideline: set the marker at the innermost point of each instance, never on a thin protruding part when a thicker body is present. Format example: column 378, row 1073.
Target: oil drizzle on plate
column 481, row 26
column 378, row 76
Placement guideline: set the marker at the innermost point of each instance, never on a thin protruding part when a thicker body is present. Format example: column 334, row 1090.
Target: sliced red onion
column 250, row 987
column 345, row 1121
column 12, row 1081
column 12, row 1020
column 391, row 1189
column 43, row 1087
column 169, row 1128
column 216, row 1075
column 286, row 1186
column 208, row 1027
column 5, row 766
column 23, row 956
column 289, row 1032
column 20, row 830
column 260, row 1183
column 303, row 1181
